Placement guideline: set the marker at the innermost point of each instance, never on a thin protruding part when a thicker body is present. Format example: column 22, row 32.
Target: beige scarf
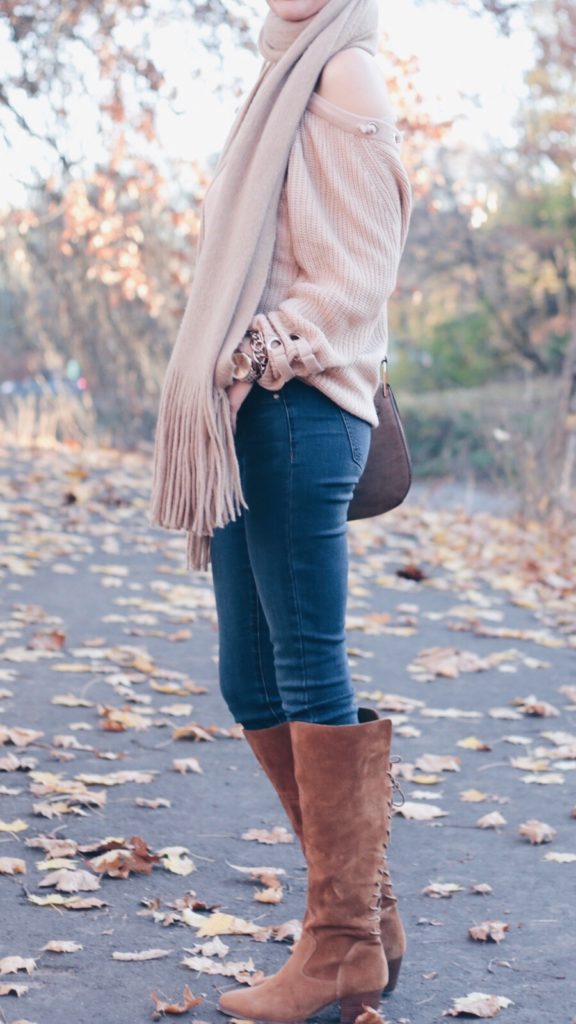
column 196, row 480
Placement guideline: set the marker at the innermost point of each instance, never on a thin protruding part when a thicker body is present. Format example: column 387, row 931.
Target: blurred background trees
column 96, row 263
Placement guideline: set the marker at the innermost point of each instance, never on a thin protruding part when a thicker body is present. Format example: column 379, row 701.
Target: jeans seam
column 355, row 455
column 259, row 651
column 291, row 559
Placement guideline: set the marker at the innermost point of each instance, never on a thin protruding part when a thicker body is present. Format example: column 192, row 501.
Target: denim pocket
column 359, row 433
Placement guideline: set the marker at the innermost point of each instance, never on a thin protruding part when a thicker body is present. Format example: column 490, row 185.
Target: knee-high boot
column 272, row 748
column 345, row 824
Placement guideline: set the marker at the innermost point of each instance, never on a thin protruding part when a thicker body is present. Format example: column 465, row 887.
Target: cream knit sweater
column 343, row 219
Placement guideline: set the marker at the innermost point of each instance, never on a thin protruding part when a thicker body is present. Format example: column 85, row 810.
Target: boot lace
column 383, row 883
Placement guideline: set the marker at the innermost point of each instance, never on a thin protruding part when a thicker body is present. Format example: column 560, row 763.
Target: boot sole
column 345, row 1010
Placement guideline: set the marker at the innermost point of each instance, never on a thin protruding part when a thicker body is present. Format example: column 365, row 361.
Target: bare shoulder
column 353, row 79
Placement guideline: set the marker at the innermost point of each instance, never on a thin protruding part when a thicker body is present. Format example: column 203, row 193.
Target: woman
column 260, row 443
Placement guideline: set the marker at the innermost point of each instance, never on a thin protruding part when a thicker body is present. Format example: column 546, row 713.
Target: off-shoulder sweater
column 343, row 219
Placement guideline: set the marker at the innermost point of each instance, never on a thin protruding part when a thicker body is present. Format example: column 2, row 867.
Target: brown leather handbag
column 387, row 475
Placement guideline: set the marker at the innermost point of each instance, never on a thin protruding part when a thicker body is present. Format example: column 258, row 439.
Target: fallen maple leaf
column 478, row 1004
column 224, row 924
column 438, row 763
column 187, row 764
column 71, row 881
column 473, row 743
column 494, row 930
column 561, row 858
column 278, row 834
column 145, row 954
column 537, row 831
column 55, row 899
column 492, row 820
column 442, row 890
column 62, row 946
column 192, row 732
column 420, row 812
column 13, row 826
column 162, row 1006
column 154, row 804
column 12, row 866
column 13, row 964
column 13, row 989
column 369, row 1015
column 174, row 859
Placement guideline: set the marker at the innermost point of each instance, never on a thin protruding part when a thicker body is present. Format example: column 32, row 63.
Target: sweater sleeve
column 348, row 202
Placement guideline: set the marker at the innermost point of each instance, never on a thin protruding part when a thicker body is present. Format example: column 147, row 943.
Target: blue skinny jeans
column 280, row 570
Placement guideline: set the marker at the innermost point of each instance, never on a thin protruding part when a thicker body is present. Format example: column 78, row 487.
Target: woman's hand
column 237, row 392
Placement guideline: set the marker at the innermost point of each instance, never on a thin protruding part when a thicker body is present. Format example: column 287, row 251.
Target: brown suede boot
column 272, row 748
column 345, row 822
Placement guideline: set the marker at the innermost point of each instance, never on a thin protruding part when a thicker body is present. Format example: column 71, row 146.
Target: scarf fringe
column 196, row 482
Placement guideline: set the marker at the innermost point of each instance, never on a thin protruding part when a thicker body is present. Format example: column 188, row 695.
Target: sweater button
column 274, row 343
column 369, row 127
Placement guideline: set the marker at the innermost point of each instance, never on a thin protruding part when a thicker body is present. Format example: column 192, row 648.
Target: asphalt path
column 100, row 619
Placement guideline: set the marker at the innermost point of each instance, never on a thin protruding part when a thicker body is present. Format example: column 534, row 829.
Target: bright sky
column 467, row 70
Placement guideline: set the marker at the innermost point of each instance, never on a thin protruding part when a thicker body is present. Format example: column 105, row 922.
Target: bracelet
column 259, row 352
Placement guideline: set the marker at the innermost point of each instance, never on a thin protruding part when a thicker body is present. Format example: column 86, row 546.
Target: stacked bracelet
column 259, row 352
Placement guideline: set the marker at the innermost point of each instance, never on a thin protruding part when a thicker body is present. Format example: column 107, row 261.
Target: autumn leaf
column 473, row 743
column 493, row 930
column 71, row 881
column 174, row 859
column 163, row 1007
column 13, row 989
column 492, row 820
column 224, row 924
column 55, row 899
column 482, row 888
column 278, row 834
column 13, row 964
column 537, row 831
column 561, row 858
column 61, row 946
column 420, row 812
column 442, row 890
column 12, row 866
column 154, row 804
column 438, row 763
column 478, row 1004
column 13, row 826
column 187, row 764
column 145, row 954
column 192, row 732
column 369, row 1015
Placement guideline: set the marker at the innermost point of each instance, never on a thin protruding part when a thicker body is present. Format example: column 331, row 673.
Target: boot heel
column 393, row 972
column 352, row 1006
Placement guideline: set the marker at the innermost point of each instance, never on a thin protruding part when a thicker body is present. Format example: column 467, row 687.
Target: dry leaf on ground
column 71, row 881
column 162, row 1006
column 537, row 831
column 270, row 837
column 61, row 946
column 494, row 930
column 12, row 866
column 420, row 812
column 561, row 858
column 13, row 826
column 187, row 764
column 478, row 1004
column 492, row 820
column 442, row 890
column 145, row 954
column 13, row 964
column 369, row 1015
column 13, row 989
